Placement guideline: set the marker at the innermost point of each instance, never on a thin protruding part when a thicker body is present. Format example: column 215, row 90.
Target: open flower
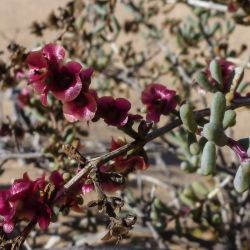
column 159, row 101
column 82, row 108
column 113, row 111
column 23, row 200
column 48, row 73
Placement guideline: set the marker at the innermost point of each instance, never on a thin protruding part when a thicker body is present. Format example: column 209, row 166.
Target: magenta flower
column 48, row 73
column 159, row 101
column 22, row 200
column 113, row 111
column 227, row 70
column 82, row 108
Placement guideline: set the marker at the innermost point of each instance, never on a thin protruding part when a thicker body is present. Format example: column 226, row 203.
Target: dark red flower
column 159, row 101
column 57, row 179
column 24, row 200
column 113, row 111
column 66, row 84
column 82, row 108
column 48, row 73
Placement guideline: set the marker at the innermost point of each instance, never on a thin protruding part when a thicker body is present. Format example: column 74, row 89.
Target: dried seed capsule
column 208, row 159
column 187, row 117
column 203, row 82
column 214, row 133
column 242, row 177
column 215, row 71
column 218, row 108
column 229, row 119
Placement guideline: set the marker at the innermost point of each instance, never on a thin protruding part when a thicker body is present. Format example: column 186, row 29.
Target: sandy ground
column 17, row 15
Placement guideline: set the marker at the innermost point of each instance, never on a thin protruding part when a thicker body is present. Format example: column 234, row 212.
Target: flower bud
column 208, row 159
column 187, row 118
column 218, row 108
column 229, row 119
column 242, row 177
column 214, row 133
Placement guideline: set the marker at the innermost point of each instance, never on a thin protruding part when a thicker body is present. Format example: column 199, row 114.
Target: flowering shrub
column 63, row 93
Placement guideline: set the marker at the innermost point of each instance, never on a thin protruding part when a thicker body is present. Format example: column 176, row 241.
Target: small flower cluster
column 32, row 200
column 24, row 200
column 110, row 174
column 69, row 83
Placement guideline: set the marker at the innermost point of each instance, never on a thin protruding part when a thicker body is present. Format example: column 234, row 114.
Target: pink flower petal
column 8, row 227
column 54, row 53
column 70, row 93
column 4, row 204
column 35, row 60
column 83, row 108
column 67, row 85
column 85, row 76
column 39, row 86
column 56, row 178
column 87, row 188
column 43, row 222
